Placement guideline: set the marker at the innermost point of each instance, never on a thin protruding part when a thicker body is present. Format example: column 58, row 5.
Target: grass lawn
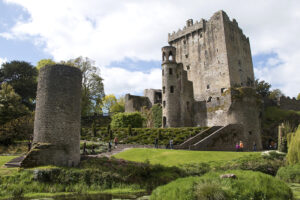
column 6, row 171
column 177, row 157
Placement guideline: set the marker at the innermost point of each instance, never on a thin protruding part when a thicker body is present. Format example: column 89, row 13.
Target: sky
column 124, row 37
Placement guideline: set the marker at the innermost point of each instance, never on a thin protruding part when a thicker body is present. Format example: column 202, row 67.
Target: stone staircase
column 16, row 162
column 198, row 137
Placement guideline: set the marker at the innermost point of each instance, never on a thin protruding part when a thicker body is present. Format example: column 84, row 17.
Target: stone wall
column 57, row 117
column 136, row 103
column 154, row 95
column 287, row 103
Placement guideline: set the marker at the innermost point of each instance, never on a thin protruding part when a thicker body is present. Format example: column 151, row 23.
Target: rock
column 233, row 176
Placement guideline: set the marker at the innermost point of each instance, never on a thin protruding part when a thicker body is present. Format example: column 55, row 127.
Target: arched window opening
column 164, row 90
column 163, row 56
column 164, row 121
column 163, row 73
column 209, row 99
column 222, row 90
column 164, row 104
column 171, row 56
column 187, row 105
column 172, row 89
column 170, row 71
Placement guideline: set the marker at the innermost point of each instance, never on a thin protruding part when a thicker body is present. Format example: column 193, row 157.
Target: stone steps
column 16, row 162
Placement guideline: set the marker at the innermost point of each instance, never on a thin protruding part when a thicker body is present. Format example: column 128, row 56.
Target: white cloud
column 2, row 60
column 110, row 30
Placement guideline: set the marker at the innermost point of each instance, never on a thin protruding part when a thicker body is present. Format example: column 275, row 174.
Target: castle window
column 200, row 35
column 217, row 50
column 188, row 67
column 207, row 87
column 171, row 56
column 172, row 89
column 209, row 99
column 164, row 56
column 164, row 89
column 240, row 63
column 164, row 121
column 187, row 105
column 163, row 72
column 170, row 71
column 164, row 103
column 186, row 56
column 218, row 98
column 222, row 90
column 250, row 132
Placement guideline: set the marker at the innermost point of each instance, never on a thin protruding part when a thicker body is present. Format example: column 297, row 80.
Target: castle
column 208, row 80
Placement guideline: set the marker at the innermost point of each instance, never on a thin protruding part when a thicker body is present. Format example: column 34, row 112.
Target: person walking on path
column 237, row 147
column 116, row 142
column 156, row 143
column 254, row 146
column 84, row 148
column 171, row 144
column 241, row 145
column 109, row 146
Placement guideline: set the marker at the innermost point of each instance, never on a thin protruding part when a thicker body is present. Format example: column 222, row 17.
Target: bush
column 290, row 173
column 293, row 155
column 157, row 115
column 247, row 185
column 123, row 120
column 146, row 135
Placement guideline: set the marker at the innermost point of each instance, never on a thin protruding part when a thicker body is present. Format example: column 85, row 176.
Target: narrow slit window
column 172, row 89
column 170, row 71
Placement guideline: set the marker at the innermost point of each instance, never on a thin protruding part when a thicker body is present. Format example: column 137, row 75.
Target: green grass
column 179, row 157
column 247, row 185
column 5, row 159
column 296, row 190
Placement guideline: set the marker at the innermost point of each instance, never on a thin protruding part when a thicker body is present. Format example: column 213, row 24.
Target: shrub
column 293, row 155
column 290, row 173
column 123, row 120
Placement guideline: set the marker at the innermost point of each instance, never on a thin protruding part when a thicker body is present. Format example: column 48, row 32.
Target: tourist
column 241, row 146
column 116, row 142
column 156, row 143
column 237, row 147
column 171, row 144
column 254, row 146
column 109, row 146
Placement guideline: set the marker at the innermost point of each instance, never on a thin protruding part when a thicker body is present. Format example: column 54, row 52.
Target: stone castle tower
column 208, row 80
column 56, row 138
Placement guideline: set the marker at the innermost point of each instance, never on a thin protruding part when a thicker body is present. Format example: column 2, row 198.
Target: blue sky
column 125, row 37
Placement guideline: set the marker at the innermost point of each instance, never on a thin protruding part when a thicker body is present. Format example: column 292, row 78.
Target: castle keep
column 208, row 80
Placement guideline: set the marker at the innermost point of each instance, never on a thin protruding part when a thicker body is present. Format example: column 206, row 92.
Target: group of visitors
column 239, row 146
column 110, row 144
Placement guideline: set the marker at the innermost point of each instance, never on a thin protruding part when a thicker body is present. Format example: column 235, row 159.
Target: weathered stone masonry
column 57, row 118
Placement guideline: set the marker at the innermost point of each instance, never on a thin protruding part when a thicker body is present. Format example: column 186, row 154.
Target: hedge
column 144, row 135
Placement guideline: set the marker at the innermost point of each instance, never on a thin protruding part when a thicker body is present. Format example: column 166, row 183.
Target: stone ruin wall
column 136, row 103
column 287, row 103
column 57, row 118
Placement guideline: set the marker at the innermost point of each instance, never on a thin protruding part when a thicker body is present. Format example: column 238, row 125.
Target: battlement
column 287, row 103
column 190, row 28
column 200, row 26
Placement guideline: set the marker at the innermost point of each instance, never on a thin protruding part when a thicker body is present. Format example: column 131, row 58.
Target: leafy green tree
column 262, row 88
column 157, row 115
column 275, row 94
column 22, row 76
column 111, row 104
column 11, row 106
column 92, row 85
column 123, row 120
column 44, row 62
column 298, row 97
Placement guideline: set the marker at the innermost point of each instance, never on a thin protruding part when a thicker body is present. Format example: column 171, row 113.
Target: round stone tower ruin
column 169, row 90
column 57, row 118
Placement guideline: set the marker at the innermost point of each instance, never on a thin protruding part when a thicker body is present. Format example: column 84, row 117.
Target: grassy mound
column 290, row 173
column 179, row 157
column 94, row 175
column 247, row 185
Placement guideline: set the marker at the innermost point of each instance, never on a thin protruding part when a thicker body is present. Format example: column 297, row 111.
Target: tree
column 44, row 62
column 262, row 88
column 22, row 76
column 123, row 120
column 92, row 85
column 11, row 106
column 276, row 94
column 298, row 97
column 111, row 104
